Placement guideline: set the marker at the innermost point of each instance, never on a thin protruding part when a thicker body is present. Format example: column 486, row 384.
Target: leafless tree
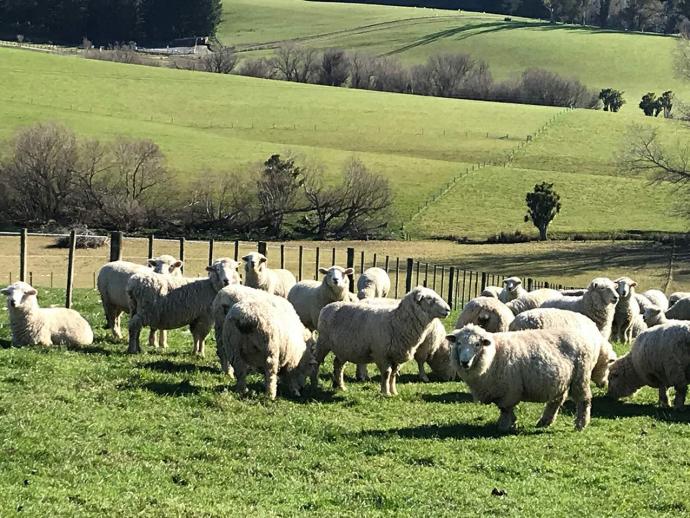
column 682, row 56
column 260, row 67
column 295, row 63
column 219, row 200
column 334, row 67
column 221, row 61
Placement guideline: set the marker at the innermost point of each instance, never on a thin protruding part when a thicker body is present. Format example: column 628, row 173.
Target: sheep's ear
column 485, row 342
column 151, row 263
column 419, row 296
column 5, row 291
column 30, row 291
column 633, row 284
column 263, row 259
column 178, row 264
column 452, row 338
column 210, row 269
column 225, row 308
column 323, row 270
column 612, row 361
column 348, row 271
column 245, row 258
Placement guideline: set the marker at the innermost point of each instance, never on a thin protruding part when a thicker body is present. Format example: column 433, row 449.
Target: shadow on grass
column 183, row 388
column 94, row 349
column 606, row 408
column 169, row 366
column 5, row 344
column 448, row 397
column 451, row 431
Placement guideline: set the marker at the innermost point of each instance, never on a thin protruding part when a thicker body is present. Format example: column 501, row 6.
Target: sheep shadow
column 448, row 397
column 171, row 367
column 183, row 388
column 5, row 344
column 450, row 431
column 604, row 407
column 93, row 349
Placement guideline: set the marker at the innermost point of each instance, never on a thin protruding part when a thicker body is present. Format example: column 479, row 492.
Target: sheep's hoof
column 544, row 423
column 424, row 378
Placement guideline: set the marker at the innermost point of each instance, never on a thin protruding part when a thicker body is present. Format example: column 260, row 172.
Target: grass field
column 633, row 62
column 94, row 431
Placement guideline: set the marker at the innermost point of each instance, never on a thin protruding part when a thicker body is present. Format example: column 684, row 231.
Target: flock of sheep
column 509, row 345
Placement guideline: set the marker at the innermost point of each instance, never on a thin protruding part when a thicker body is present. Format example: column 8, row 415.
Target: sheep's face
column 512, row 283
column 471, row 349
column 675, row 297
column 254, row 262
column 624, row 287
column 605, row 290
column 19, row 294
column 653, row 316
column 429, row 302
column 622, row 378
column 166, row 264
column 336, row 278
column 223, row 272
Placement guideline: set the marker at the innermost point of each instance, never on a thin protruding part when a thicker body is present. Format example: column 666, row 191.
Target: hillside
column 633, row 62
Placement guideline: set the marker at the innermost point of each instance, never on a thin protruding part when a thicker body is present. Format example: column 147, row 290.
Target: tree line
column 52, row 177
column 106, row 22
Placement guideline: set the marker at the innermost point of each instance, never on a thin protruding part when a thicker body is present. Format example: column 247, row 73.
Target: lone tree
column 666, row 102
column 542, row 206
column 612, row 99
column 651, row 104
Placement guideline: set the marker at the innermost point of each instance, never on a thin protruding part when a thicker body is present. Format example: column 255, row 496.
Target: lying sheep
column 660, row 358
column 382, row 334
column 112, row 286
column 487, row 312
column 31, row 324
column 575, row 292
column 310, row 297
column 542, row 366
column 598, row 303
column 493, row 292
column 680, row 310
column 434, row 350
column 532, row 300
column 551, row 318
column 267, row 335
column 675, row 297
column 258, row 275
column 373, row 283
column 651, row 298
column 626, row 312
column 162, row 302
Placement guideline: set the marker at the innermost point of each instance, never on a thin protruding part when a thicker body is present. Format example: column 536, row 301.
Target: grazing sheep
column 387, row 335
column 655, row 298
column 542, row 366
column 680, row 310
column 487, row 312
column 310, row 297
column 598, row 303
column 373, row 283
column 551, row 318
column 660, row 358
column 435, row 351
column 265, row 334
column 258, row 275
column 675, row 297
column 493, row 292
column 31, row 324
column 162, row 302
column 112, row 286
column 627, row 310
column 532, row 300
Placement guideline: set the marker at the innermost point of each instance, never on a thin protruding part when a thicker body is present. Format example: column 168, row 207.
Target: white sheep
column 652, row 298
column 434, row 350
column 574, row 292
column 310, row 297
column 258, row 275
column 551, row 318
column 487, row 312
column 33, row 325
column 493, row 292
column 112, row 286
column 542, row 366
column 162, row 302
column 267, row 335
column 598, row 303
column 532, row 300
column 660, row 358
column 675, row 297
column 512, row 289
column 627, row 310
column 680, row 310
column 387, row 335
column 373, row 283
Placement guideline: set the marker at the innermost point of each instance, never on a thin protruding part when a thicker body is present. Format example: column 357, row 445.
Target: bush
column 261, row 68
column 508, row 237
column 86, row 239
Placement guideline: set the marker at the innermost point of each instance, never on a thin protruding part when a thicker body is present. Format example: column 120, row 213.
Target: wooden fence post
column 408, row 275
column 262, row 248
column 237, row 251
column 70, row 268
column 387, row 263
column 451, row 279
column 373, row 263
column 333, row 258
column 361, row 262
column 182, row 253
column 299, row 266
column 530, row 284
column 351, row 264
column 115, row 246
column 22, row 255
column 318, row 260
column 151, row 240
column 483, row 281
column 211, row 242
column 282, row 256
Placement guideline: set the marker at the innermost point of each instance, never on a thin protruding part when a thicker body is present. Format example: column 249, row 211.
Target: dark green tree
column 650, row 104
column 278, row 189
column 666, row 103
column 542, row 206
column 612, row 99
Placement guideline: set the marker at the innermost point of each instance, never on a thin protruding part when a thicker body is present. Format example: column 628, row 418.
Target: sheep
column 660, row 358
column 310, row 297
column 543, row 365
column 435, row 351
column 675, row 297
column 487, row 312
column 493, row 292
column 651, row 298
column 575, row 292
column 550, row 318
column 31, row 324
column 267, row 334
column 680, row 310
column 112, row 287
column 258, row 275
column 532, row 300
column 654, row 316
column 387, row 335
column 598, row 303
column 162, row 302
column 373, row 283
column 512, row 289
column 627, row 310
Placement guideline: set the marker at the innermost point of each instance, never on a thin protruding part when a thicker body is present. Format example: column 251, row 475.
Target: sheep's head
column 223, row 272
column 605, row 290
column 623, row 379
column 20, row 295
column 512, row 283
column 653, row 316
column 429, row 302
column 472, row 349
column 336, row 278
column 166, row 264
column 254, row 262
column 625, row 287
column 675, row 297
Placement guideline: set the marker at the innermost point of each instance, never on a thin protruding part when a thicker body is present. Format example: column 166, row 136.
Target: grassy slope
column 634, row 62
column 96, row 432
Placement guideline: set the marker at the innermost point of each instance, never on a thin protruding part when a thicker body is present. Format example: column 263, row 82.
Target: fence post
column 361, row 262
column 408, row 275
column 464, row 281
column 151, row 240
column 483, row 281
column 451, row 279
column 262, row 248
column 211, row 242
column 115, row 246
column 530, row 284
column 417, row 268
column 316, row 266
column 546, row 284
column 299, row 266
column 387, row 263
column 374, row 261
column 182, row 243
column 22, row 255
column 237, row 251
column 282, row 256
column 333, row 258
column 351, row 264
column 397, row 275
column 70, row 268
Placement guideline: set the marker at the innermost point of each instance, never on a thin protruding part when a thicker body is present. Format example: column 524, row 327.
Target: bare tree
column 294, row 63
column 221, row 201
column 682, row 56
column 260, row 67
column 447, row 72
column 221, row 61
column 334, row 67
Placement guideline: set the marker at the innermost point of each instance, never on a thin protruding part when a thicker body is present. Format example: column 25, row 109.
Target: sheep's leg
column 506, row 422
column 583, row 411
column 338, row 374
column 393, row 378
column 362, row 372
column 163, row 339
column 679, row 399
column 422, row 375
column 135, row 326
column 551, row 411
column 663, row 396
column 386, row 373
column 322, row 351
column 241, row 373
column 271, row 375
column 152, row 338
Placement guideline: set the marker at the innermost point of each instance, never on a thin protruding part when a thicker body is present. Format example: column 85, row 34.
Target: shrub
column 509, row 237
column 86, row 238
